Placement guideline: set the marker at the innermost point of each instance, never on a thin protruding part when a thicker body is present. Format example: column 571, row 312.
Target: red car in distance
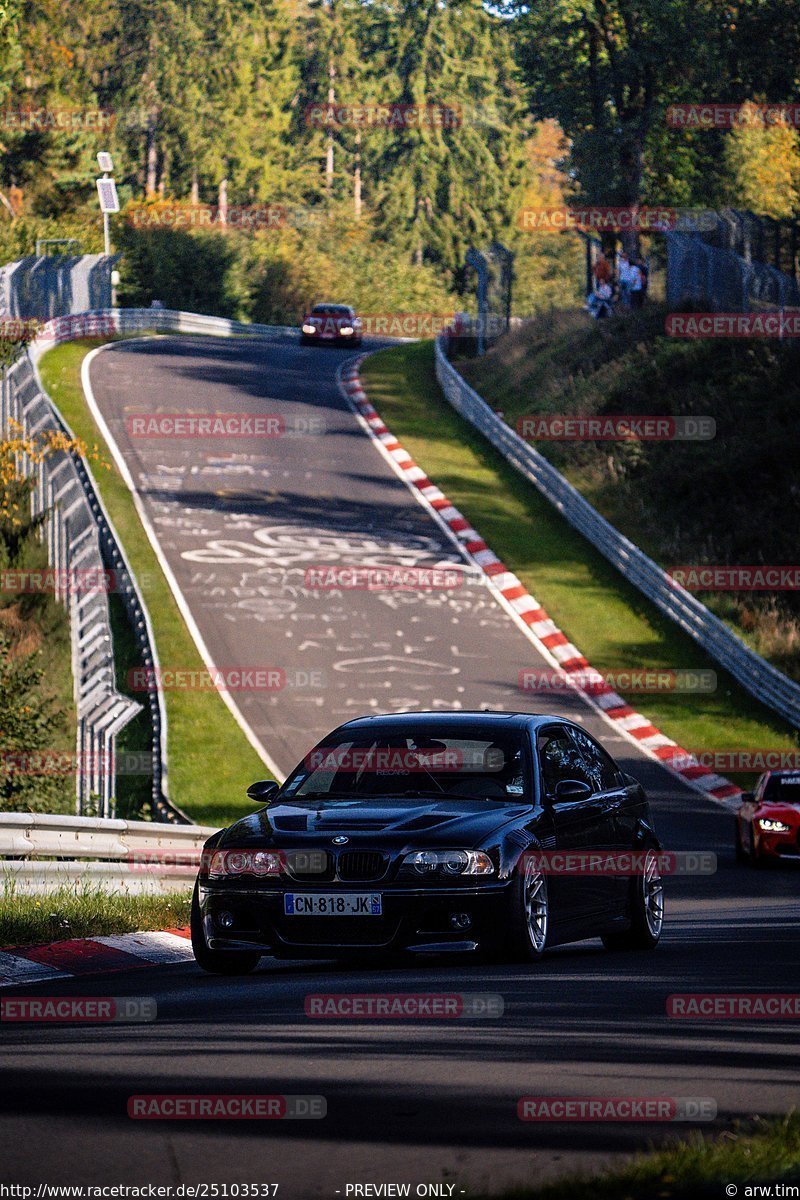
column 768, row 822
column 335, row 323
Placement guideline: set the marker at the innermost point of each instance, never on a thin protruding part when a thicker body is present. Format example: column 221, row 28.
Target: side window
column 559, row 759
column 600, row 767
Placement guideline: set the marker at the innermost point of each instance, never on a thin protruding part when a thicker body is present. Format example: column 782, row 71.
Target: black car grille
column 314, row 866
column 361, row 866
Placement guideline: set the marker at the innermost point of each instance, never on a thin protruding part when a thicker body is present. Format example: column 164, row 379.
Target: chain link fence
column 494, row 270
column 742, row 263
column 52, row 286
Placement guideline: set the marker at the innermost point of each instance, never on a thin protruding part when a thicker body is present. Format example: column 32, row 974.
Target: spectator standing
column 625, row 278
column 636, row 285
column 601, row 270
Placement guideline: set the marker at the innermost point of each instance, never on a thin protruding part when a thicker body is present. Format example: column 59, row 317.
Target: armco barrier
column 128, row 856
column 756, row 675
column 81, row 537
column 73, row 545
column 48, row 286
column 107, row 322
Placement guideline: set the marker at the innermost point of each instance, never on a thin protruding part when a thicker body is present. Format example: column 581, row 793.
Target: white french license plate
column 329, row 904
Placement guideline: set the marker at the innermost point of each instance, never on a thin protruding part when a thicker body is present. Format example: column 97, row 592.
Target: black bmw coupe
column 429, row 833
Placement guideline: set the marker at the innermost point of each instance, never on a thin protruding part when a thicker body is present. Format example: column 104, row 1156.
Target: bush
column 30, row 721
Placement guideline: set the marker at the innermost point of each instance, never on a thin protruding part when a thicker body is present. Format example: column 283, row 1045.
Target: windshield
column 783, row 789
column 433, row 763
column 330, row 310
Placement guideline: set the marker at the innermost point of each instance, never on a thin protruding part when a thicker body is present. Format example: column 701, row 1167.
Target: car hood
column 377, row 821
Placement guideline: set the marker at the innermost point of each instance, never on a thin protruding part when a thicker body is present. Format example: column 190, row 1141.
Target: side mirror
column 263, row 790
column 747, row 798
column 572, row 789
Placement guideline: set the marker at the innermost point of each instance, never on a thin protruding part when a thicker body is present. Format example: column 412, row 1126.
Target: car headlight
column 309, row 329
column 346, row 330
column 448, row 863
column 223, row 864
column 770, row 826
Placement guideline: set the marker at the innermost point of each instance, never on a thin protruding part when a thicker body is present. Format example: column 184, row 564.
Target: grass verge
column 37, row 625
column 683, row 502
column 76, row 911
column 699, row 1167
column 211, row 763
column 608, row 620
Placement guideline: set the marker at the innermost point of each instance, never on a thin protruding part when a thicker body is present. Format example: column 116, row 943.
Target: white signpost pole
column 109, row 203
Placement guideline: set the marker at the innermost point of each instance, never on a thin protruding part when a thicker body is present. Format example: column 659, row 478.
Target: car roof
column 461, row 719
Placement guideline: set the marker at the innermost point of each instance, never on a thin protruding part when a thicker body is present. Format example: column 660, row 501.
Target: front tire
column 647, row 910
column 529, row 911
column 218, row 962
column 757, row 860
column 741, row 852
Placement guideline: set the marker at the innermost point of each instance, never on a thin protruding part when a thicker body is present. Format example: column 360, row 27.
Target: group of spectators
column 626, row 286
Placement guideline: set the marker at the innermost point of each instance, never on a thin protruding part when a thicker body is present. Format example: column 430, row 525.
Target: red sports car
column 335, row 323
column 768, row 822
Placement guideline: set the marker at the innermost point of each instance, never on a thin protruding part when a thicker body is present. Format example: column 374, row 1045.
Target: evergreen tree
column 606, row 69
column 444, row 182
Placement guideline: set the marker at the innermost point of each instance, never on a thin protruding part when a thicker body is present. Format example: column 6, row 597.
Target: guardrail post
column 755, row 674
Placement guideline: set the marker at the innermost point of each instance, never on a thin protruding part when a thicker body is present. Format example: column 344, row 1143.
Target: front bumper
column 413, row 919
column 318, row 339
column 779, row 845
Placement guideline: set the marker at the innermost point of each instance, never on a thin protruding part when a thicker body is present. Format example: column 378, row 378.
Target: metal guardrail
column 39, row 852
column 81, row 538
column 45, row 286
column 74, row 551
column 757, row 676
column 108, row 322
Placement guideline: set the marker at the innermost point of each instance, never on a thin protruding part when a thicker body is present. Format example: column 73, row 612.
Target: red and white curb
column 90, row 956
column 528, row 614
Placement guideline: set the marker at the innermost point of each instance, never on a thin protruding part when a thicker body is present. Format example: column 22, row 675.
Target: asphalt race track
column 422, row 1102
